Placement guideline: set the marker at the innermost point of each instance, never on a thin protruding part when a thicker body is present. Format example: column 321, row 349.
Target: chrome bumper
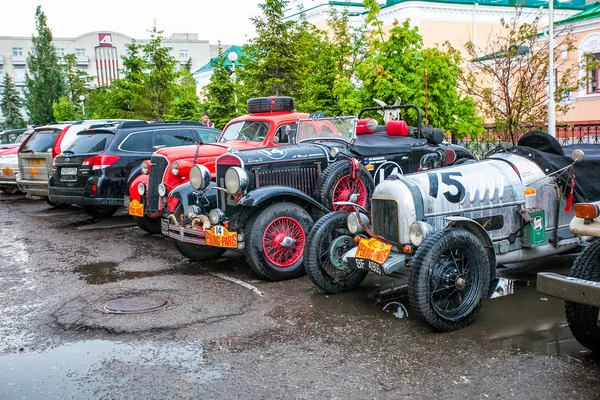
column 394, row 262
column 571, row 289
column 187, row 234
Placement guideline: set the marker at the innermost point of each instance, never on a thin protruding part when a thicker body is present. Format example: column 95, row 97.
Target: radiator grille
column 385, row 219
column 158, row 165
column 304, row 179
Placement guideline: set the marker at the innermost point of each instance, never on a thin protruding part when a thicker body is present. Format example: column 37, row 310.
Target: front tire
column 583, row 319
column 449, row 279
column 147, row 224
column 100, row 212
column 327, row 242
column 275, row 239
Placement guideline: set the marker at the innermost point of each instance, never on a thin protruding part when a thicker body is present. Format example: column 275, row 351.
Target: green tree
column 11, row 104
column 186, row 105
column 270, row 61
column 76, row 82
column 160, row 81
column 45, row 80
column 64, row 110
column 220, row 94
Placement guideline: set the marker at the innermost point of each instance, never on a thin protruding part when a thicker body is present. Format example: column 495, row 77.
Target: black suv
column 94, row 171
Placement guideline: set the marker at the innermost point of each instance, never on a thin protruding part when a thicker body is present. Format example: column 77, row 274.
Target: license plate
column 68, row 171
column 36, row 162
column 373, row 250
column 164, row 226
column 219, row 236
column 136, row 208
column 366, row 265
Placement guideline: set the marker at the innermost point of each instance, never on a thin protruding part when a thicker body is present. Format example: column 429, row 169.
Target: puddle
column 85, row 369
column 108, row 272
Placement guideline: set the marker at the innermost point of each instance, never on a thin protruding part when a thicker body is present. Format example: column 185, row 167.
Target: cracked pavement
column 219, row 340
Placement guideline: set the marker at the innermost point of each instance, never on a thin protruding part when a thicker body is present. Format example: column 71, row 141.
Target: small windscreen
column 41, row 141
column 90, row 142
column 326, row 128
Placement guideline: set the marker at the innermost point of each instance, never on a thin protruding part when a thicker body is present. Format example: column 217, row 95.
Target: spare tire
column 336, row 184
column 260, row 105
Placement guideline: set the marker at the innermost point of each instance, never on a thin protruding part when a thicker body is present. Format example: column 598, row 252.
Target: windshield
column 326, row 128
column 254, row 131
column 88, row 142
column 41, row 141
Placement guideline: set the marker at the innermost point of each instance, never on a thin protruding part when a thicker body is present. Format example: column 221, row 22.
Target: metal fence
column 566, row 134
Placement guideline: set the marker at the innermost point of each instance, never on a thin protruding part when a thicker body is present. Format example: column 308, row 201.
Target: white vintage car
column 451, row 227
column 581, row 289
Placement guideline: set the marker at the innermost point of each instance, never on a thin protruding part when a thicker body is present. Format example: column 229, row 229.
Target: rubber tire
column 51, row 203
column 583, row 319
column 333, row 173
column 254, row 236
column 147, row 224
column 312, row 263
column 424, row 260
column 196, row 252
column 259, row 105
column 100, row 212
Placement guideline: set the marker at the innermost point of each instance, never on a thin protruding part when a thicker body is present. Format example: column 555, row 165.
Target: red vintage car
column 270, row 122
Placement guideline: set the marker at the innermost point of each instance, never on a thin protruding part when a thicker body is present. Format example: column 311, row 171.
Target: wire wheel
column 283, row 242
column 349, row 189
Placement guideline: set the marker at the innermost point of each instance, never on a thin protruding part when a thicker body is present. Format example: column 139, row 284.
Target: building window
column 20, row 75
column 60, row 51
column 593, row 74
column 183, row 54
column 80, row 52
column 17, row 51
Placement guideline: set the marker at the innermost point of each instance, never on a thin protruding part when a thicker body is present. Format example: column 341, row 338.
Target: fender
column 135, row 171
column 476, row 229
column 133, row 185
column 260, row 196
column 187, row 196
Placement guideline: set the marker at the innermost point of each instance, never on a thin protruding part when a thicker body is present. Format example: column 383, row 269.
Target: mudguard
column 133, row 185
column 263, row 195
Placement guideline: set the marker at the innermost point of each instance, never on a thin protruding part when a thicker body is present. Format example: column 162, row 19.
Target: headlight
column 175, row 168
column 145, row 169
column 193, row 210
column 216, row 216
column 418, row 232
column 199, row 177
column 354, row 225
column 141, row 189
column 236, row 180
column 162, row 190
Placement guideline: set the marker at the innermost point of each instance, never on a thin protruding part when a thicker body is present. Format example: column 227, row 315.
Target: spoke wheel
column 336, row 184
column 327, row 243
column 449, row 277
column 283, row 242
column 348, row 189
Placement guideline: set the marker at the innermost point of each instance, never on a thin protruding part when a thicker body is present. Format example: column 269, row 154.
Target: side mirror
column 577, row 155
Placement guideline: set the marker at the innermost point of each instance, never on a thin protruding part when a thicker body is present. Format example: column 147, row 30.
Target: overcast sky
column 225, row 20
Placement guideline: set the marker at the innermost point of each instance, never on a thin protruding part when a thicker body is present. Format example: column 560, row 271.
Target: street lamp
column 82, row 99
column 232, row 56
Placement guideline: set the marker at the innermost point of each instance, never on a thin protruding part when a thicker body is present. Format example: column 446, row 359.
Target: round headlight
column 418, row 232
column 199, row 177
column 175, row 168
column 145, row 169
column 353, row 224
column 162, row 190
column 236, row 180
column 141, row 189
column 216, row 216
column 191, row 211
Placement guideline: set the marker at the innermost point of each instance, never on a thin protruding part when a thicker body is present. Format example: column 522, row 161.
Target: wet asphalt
column 63, row 276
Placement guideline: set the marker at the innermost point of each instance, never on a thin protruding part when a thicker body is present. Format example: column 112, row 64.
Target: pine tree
column 11, row 104
column 160, row 84
column 220, row 98
column 76, row 81
column 45, row 80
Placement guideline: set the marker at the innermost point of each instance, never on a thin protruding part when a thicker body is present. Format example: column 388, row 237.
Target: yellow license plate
column 219, row 236
column 136, row 209
column 37, row 162
column 374, row 250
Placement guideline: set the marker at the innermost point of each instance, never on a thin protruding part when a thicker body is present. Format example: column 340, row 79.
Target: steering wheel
column 260, row 138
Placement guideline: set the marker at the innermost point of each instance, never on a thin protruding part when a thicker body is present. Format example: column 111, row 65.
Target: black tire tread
column 417, row 285
column 259, row 105
column 333, row 173
column 583, row 319
column 311, row 257
column 147, row 224
column 104, row 212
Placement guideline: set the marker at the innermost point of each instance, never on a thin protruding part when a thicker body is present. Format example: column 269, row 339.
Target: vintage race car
column 581, row 289
column 268, row 124
column 268, row 199
column 451, row 227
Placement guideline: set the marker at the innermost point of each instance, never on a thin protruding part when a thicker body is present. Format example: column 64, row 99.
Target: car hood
column 284, row 154
column 208, row 150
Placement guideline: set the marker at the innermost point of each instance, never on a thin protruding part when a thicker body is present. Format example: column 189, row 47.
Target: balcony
column 83, row 60
column 19, row 60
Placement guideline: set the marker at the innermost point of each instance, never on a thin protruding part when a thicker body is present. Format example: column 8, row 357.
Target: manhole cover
column 138, row 304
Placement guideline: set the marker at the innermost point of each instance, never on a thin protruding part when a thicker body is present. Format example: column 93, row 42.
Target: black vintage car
column 267, row 200
column 95, row 169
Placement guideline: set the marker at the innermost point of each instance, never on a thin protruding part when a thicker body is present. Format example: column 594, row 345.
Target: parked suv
column 94, row 170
